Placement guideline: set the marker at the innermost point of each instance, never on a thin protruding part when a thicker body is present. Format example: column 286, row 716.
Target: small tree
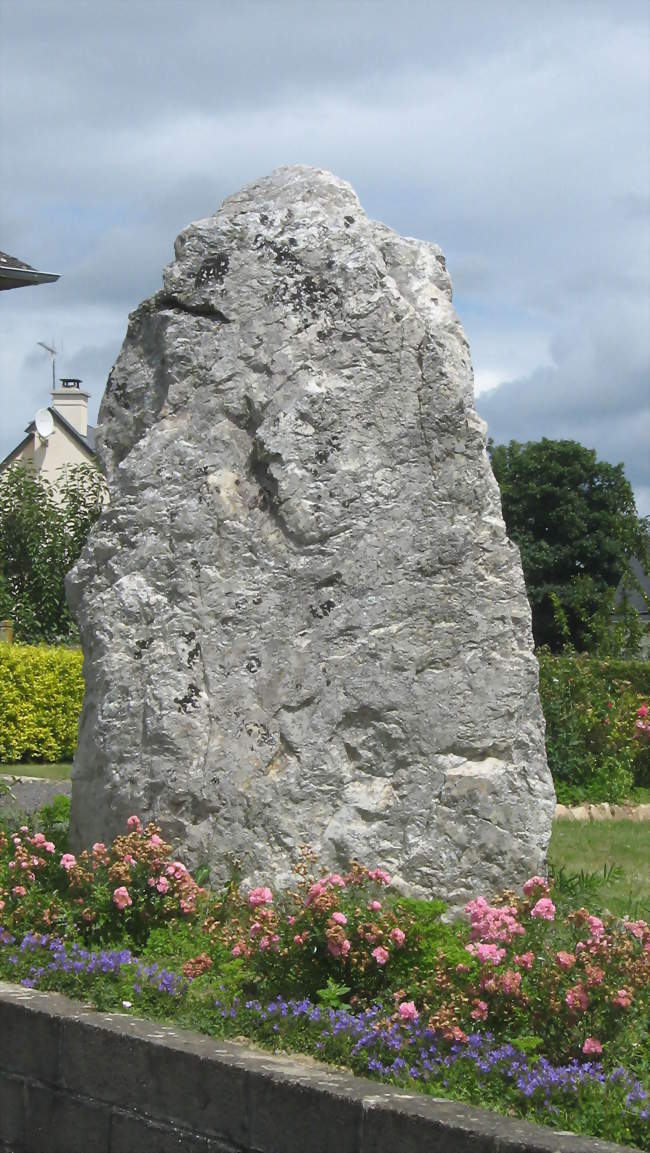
column 575, row 522
column 42, row 532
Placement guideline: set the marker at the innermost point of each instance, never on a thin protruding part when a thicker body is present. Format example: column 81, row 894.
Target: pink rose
column 577, row 999
column 379, row 875
column 375, row 906
column 380, row 954
column 19, row 891
column 68, row 861
column 162, row 885
column 38, row 839
column 623, row 999
column 565, row 961
column 544, row 909
column 339, row 918
column 398, row 936
column 534, row 883
column 510, row 982
column 592, row 1045
column 155, row 840
column 480, row 1012
column 260, row 896
column 525, row 960
column 49, row 847
column 122, row 897
column 407, row 1011
column 643, row 711
column 134, row 823
column 596, row 928
column 491, row 954
column 334, row 879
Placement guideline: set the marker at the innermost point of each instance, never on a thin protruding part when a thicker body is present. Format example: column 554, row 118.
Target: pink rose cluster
column 122, row 897
column 642, row 724
column 260, row 896
column 492, row 922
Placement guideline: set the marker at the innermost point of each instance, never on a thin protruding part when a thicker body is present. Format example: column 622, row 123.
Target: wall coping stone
column 70, row 1075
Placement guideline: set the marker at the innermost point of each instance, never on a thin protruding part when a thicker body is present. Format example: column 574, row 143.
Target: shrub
column 41, row 690
column 535, row 1006
column 595, row 746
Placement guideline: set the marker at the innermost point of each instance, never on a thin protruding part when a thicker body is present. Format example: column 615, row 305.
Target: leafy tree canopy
column 42, row 532
column 575, row 522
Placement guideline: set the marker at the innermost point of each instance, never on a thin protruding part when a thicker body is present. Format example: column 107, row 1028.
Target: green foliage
column 575, row 522
column 41, row 690
column 594, row 748
column 333, row 995
column 41, row 536
column 533, row 977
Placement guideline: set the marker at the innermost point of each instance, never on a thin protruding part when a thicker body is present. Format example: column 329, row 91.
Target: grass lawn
column 596, row 846
column 47, row 772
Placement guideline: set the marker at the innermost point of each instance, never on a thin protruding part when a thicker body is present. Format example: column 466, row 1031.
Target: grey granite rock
column 301, row 618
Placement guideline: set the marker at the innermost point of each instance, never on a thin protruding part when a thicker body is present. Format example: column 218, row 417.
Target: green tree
column 575, row 522
column 42, row 532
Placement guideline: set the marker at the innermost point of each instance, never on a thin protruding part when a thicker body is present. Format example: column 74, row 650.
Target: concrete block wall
column 76, row 1081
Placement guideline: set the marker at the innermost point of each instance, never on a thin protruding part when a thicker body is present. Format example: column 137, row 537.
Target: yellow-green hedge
column 41, row 690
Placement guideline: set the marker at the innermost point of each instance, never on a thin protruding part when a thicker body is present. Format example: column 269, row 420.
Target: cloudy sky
column 514, row 134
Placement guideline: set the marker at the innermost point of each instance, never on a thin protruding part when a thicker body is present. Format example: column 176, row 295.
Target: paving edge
column 70, row 1076
column 602, row 811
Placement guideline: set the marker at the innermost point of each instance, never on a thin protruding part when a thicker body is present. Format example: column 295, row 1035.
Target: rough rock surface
column 301, row 618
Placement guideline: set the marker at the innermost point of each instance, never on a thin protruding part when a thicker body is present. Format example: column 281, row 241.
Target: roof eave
column 23, row 277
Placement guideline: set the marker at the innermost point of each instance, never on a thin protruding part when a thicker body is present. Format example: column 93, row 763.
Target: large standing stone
column 301, row 618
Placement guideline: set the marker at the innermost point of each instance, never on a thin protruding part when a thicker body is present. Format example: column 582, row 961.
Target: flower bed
column 531, row 1006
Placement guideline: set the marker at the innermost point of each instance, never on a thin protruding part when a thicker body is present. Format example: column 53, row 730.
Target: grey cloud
column 512, row 134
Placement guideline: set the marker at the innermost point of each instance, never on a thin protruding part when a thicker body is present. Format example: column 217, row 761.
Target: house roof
column 15, row 273
column 87, row 442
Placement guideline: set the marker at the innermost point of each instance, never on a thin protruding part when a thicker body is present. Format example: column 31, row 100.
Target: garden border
column 72, row 1079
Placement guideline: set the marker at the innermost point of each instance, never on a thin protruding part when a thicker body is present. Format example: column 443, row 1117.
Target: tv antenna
column 51, row 350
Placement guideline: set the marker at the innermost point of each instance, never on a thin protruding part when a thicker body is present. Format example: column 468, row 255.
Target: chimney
column 72, row 402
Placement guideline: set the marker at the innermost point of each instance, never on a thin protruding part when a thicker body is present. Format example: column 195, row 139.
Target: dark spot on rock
column 253, row 664
column 441, row 261
column 322, row 610
column 213, row 271
column 334, row 578
column 189, row 636
column 261, row 733
column 193, row 655
column 263, row 218
column 190, row 701
column 141, row 646
column 348, row 220
column 322, row 455
column 195, row 565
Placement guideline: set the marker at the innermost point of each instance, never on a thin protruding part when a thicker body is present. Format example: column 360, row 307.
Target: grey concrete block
column 412, row 1123
column 12, row 1111
column 292, row 1116
column 30, row 1044
column 168, row 1074
column 135, row 1134
column 58, row 1123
